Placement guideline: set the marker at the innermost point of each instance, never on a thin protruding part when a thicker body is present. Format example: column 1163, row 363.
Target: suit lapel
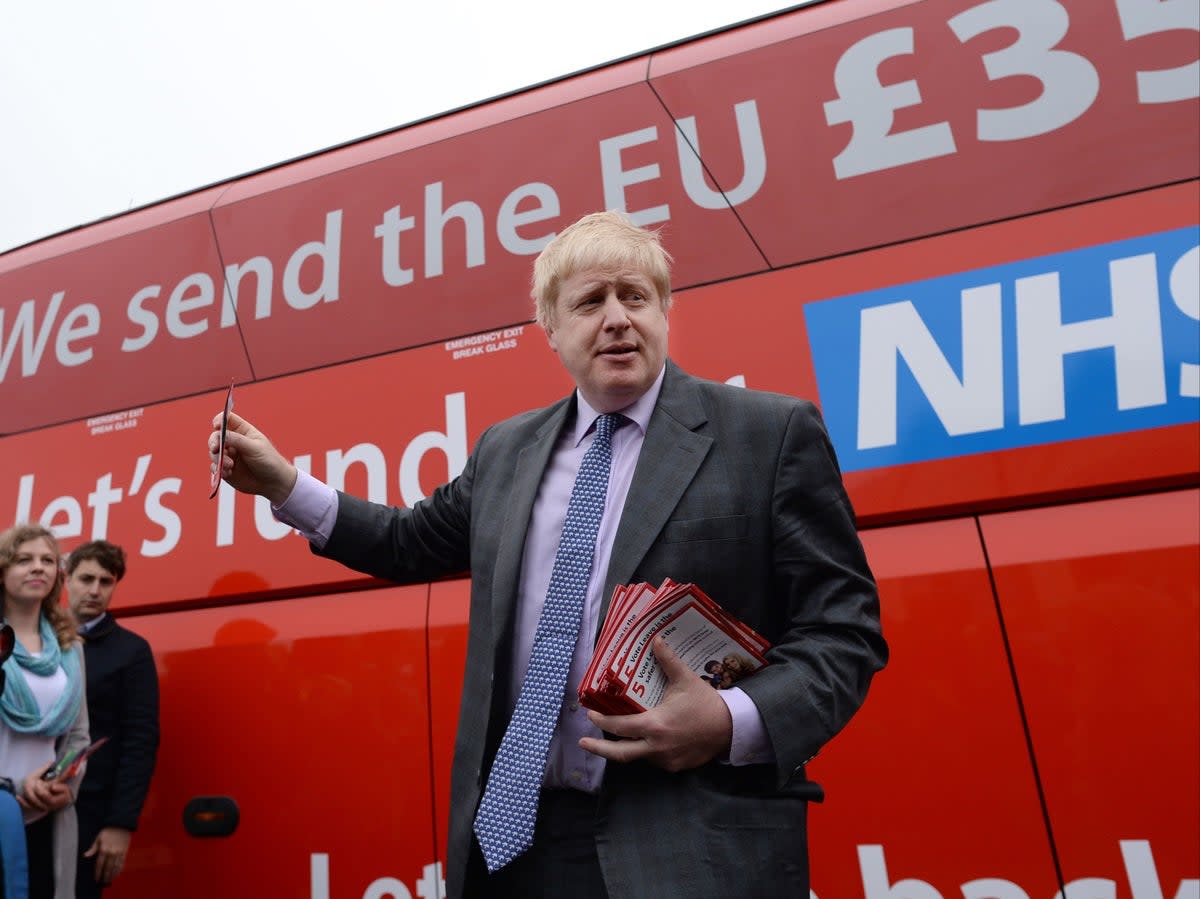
column 527, row 477
column 671, row 455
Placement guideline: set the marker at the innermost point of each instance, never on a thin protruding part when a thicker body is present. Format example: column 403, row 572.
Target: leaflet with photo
column 69, row 764
column 624, row 677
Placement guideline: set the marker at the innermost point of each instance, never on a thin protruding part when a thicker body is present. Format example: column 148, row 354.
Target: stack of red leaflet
column 624, row 677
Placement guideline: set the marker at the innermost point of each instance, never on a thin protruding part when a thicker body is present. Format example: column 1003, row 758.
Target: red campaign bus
column 969, row 229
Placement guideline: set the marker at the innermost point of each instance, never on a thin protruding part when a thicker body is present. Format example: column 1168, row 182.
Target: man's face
column 610, row 330
column 90, row 588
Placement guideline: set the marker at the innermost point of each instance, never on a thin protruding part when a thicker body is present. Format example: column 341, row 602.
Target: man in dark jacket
column 122, row 696
column 735, row 490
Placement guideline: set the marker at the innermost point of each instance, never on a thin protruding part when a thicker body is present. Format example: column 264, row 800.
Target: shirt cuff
column 311, row 508
column 750, row 745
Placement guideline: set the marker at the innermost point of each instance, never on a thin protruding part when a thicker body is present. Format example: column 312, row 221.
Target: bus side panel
column 445, row 276
column 313, row 715
column 392, row 428
column 920, row 120
column 130, row 295
column 1102, row 606
column 931, row 780
column 449, row 610
column 902, row 401
column 805, row 136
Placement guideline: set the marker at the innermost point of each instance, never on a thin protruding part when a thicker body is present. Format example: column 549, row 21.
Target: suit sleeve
column 427, row 541
column 831, row 643
column 139, row 739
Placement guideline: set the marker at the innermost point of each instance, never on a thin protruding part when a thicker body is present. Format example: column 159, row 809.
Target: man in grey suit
column 738, row 491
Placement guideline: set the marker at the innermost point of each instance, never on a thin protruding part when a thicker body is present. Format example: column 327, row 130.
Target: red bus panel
column 931, row 781
column 392, row 428
column 1102, row 605
column 882, row 125
column 116, row 316
column 313, row 715
column 809, row 135
column 426, row 242
column 449, row 610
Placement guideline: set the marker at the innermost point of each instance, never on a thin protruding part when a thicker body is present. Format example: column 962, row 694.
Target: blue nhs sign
column 1096, row 341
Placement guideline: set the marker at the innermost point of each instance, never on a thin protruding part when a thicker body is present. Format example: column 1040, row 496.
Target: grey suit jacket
column 737, row 491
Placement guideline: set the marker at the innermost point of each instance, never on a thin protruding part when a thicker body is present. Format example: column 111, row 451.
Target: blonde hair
column 598, row 240
column 10, row 542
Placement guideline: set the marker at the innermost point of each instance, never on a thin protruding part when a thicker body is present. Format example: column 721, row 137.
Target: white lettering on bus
column 67, row 334
column 137, row 313
column 1184, row 285
column 432, row 884
column 436, row 220
column 200, row 286
column 1134, row 331
column 1068, row 86
column 22, row 330
column 508, row 219
column 329, row 253
column 389, row 231
column 895, row 331
column 452, row 442
column 163, row 516
column 196, row 291
column 114, row 421
column 64, row 514
column 754, row 160
column 481, row 344
column 1140, row 872
column 1068, row 82
column 264, row 275
column 1143, row 17
column 616, row 178
column 370, row 457
column 869, row 107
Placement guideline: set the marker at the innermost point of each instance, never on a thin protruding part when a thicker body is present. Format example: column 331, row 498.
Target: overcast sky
column 109, row 105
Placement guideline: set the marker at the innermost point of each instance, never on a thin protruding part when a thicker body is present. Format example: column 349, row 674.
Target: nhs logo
column 1096, row 341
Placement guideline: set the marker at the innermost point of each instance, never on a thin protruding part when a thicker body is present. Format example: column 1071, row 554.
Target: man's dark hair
column 107, row 555
column 712, row 665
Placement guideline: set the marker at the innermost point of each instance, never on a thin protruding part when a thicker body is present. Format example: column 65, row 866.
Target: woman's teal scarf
column 18, row 708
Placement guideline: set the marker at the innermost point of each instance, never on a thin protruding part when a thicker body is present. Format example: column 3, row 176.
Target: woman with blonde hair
column 43, row 709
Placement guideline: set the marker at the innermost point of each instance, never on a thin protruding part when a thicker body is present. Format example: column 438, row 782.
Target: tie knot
column 607, row 423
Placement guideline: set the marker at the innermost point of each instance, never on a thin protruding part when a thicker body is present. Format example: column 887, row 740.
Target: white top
column 22, row 754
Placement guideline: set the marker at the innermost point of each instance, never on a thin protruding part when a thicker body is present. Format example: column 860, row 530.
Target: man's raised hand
column 250, row 463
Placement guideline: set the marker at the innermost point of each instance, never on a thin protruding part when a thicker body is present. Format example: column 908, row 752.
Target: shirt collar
column 639, row 411
column 93, row 624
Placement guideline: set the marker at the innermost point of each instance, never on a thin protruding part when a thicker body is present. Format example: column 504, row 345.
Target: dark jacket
column 735, row 490
column 122, row 695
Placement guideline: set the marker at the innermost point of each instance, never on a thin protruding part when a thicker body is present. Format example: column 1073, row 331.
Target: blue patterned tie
column 508, row 811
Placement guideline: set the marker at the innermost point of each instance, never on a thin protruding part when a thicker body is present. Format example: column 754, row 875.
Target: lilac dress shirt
column 312, row 509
